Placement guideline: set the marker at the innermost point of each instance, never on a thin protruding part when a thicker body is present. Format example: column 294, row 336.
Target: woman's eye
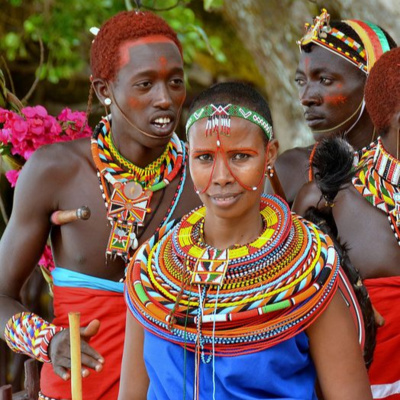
column 205, row 157
column 240, row 156
column 300, row 81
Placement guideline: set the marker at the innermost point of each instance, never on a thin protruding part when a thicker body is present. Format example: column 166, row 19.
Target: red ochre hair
column 382, row 90
column 124, row 26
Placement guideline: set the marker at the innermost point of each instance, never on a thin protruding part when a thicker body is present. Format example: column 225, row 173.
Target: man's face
column 149, row 88
column 330, row 91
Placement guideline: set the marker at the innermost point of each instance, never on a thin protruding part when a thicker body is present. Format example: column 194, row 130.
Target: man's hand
column 60, row 352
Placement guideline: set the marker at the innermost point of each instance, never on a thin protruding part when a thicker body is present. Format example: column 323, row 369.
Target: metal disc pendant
column 132, row 190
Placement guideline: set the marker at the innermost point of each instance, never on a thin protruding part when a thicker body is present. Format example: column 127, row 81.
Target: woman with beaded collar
column 362, row 202
column 237, row 300
column 335, row 59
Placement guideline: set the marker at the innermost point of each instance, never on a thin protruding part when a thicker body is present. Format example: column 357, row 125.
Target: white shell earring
column 107, row 101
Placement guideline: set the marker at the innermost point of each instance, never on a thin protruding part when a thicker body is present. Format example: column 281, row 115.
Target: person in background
column 335, row 60
column 363, row 205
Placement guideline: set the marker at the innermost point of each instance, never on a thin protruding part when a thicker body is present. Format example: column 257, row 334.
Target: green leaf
column 213, row 4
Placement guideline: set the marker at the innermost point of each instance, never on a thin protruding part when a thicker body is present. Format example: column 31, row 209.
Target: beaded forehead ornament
column 219, row 119
column 374, row 42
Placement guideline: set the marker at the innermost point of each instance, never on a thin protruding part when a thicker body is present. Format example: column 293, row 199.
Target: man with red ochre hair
column 131, row 174
column 365, row 206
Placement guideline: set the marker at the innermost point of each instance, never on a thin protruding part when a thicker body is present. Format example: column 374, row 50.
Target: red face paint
column 335, row 99
column 133, row 102
column 126, row 46
column 163, row 64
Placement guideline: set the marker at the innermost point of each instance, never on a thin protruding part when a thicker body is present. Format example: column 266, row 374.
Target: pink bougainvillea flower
column 5, row 136
column 35, row 112
column 74, row 124
column 46, row 260
column 12, row 176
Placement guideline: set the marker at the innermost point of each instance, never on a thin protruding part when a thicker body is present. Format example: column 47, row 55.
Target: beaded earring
column 107, row 101
column 270, row 171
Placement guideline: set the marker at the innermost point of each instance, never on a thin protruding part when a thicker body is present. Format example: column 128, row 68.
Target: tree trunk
column 269, row 30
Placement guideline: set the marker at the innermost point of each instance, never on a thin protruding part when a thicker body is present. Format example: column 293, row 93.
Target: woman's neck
column 223, row 233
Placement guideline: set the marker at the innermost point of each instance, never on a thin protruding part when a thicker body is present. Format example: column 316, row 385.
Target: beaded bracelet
column 29, row 334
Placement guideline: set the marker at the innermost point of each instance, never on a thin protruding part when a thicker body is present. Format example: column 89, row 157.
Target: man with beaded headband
column 366, row 212
column 237, row 300
column 140, row 165
column 335, row 60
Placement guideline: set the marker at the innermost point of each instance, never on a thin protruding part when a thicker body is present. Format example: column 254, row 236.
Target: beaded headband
column 374, row 41
column 219, row 119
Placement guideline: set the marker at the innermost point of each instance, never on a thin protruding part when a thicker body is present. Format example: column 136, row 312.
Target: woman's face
column 331, row 90
column 223, row 168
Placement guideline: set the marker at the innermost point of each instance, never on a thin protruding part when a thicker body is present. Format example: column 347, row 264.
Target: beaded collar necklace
column 261, row 293
column 378, row 181
column 128, row 200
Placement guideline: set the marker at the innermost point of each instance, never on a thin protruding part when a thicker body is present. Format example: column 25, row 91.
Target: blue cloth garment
column 284, row 371
column 67, row 278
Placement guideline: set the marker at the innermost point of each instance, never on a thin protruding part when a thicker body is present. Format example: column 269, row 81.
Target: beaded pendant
column 131, row 188
column 210, row 267
column 127, row 210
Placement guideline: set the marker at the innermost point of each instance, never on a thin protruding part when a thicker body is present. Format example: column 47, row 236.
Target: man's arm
column 308, row 196
column 25, row 236
column 22, row 244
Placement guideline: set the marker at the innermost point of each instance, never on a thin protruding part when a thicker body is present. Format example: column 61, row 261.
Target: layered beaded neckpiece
column 237, row 300
column 378, row 181
column 127, row 189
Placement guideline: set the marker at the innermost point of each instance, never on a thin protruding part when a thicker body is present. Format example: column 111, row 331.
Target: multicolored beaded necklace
column 378, row 181
column 132, row 187
column 238, row 300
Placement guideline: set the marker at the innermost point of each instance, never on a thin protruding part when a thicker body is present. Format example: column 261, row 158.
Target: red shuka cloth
column 384, row 372
column 110, row 309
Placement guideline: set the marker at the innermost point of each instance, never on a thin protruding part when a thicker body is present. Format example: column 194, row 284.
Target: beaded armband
column 27, row 333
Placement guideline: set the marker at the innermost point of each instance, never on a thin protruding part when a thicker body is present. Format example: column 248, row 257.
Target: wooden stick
column 75, row 342
column 61, row 217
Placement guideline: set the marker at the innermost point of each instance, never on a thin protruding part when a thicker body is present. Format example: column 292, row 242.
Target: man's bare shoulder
column 308, row 196
column 52, row 173
column 292, row 169
column 298, row 156
column 60, row 159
